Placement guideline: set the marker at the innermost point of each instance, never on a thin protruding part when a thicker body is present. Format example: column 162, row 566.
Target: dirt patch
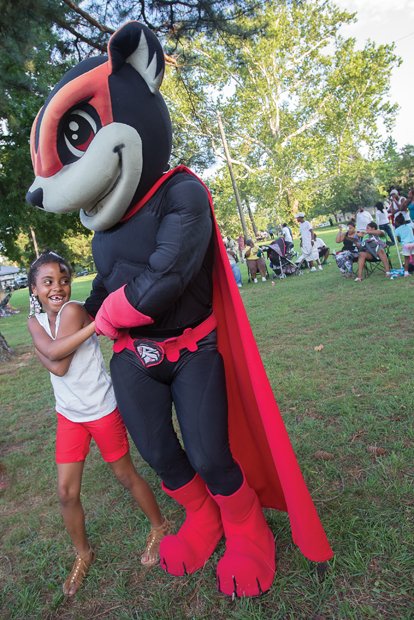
column 4, row 479
column 16, row 361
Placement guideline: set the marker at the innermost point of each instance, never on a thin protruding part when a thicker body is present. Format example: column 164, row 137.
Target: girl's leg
column 140, row 490
column 69, row 485
column 128, row 476
column 406, row 263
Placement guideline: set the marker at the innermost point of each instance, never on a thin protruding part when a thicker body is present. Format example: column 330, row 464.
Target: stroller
column 280, row 255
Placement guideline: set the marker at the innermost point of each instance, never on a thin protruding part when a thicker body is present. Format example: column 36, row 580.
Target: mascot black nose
column 35, row 198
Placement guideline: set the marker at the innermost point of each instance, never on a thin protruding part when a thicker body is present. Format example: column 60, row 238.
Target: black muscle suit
column 165, row 257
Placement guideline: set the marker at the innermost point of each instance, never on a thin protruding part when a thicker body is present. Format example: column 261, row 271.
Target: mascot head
column 103, row 137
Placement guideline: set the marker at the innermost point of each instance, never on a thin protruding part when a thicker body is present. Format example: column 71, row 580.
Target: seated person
column 255, row 261
column 372, row 248
column 350, row 249
column 404, row 232
column 323, row 249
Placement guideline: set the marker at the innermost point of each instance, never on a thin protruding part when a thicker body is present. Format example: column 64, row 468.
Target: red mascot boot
column 248, row 565
column 200, row 533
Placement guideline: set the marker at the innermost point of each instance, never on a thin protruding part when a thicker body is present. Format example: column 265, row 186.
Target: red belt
column 151, row 352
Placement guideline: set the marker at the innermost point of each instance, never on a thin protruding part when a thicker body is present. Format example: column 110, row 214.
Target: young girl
column 66, row 345
column 404, row 232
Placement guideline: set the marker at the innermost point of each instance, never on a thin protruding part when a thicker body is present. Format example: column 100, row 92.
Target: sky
column 387, row 21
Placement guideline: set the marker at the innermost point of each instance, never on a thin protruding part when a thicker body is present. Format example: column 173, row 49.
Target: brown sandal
column 151, row 557
column 78, row 574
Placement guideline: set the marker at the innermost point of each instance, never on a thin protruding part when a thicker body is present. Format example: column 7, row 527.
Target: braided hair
column 47, row 256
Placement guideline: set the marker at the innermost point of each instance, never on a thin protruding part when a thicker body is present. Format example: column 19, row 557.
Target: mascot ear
column 135, row 44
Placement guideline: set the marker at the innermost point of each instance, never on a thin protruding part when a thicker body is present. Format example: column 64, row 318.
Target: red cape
column 258, row 437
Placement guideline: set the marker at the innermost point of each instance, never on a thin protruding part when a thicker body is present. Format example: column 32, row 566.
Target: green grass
column 348, row 409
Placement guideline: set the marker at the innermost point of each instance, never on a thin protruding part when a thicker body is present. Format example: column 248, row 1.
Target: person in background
column 323, row 249
column 255, row 261
column 350, row 249
column 309, row 250
column 241, row 246
column 382, row 220
column 372, row 248
column 408, row 206
column 362, row 219
column 398, row 205
column 233, row 259
column 410, row 203
column 404, row 232
column 287, row 234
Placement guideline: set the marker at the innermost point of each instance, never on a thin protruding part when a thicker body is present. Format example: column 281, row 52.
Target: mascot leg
column 248, row 565
column 200, row 533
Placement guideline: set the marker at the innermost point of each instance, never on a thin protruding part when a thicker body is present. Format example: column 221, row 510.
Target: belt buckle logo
column 149, row 353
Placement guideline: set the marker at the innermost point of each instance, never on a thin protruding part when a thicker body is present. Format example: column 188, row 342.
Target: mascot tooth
column 166, row 295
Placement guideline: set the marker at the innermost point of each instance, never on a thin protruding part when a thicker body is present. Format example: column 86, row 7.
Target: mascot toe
column 197, row 538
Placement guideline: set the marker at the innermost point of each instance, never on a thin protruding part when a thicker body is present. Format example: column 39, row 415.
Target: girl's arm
column 72, row 333
column 59, row 368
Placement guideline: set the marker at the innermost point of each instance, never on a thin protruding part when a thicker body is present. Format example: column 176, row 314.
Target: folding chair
column 376, row 264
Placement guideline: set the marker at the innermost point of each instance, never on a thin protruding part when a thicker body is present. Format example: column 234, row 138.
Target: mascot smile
column 166, row 295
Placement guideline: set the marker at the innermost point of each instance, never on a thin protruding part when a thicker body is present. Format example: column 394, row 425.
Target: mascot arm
column 96, row 296
column 181, row 244
column 182, row 241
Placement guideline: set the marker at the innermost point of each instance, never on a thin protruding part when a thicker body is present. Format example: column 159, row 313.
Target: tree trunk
column 253, row 223
column 5, row 350
column 233, row 180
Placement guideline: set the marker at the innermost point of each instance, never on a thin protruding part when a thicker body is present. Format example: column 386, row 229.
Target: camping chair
column 376, row 264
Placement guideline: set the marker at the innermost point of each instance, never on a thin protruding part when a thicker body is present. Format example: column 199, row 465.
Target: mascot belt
column 152, row 352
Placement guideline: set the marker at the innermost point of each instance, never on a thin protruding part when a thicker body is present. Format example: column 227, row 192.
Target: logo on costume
column 149, row 353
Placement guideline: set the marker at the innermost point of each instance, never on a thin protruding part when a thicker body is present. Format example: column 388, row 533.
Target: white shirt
column 381, row 217
column 85, row 392
column 305, row 232
column 362, row 219
column 319, row 243
column 286, row 234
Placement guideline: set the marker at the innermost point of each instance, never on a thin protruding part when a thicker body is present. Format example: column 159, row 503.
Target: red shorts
column 73, row 438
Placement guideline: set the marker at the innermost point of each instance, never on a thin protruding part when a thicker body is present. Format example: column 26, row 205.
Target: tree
column 299, row 101
column 41, row 40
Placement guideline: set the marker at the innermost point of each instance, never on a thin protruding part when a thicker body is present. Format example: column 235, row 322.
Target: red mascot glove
column 103, row 325
column 117, row 313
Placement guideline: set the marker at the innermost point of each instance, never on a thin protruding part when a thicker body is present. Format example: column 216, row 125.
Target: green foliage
column 299, row 102
column 352, row 432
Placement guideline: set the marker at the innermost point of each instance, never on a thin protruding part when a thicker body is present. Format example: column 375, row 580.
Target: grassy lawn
column 339, row 355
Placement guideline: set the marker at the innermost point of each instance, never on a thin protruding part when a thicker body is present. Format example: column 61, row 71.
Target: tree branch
column 88, row 17
column 63, row 24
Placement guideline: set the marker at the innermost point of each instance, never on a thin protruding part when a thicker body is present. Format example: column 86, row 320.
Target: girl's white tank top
column 85, row 392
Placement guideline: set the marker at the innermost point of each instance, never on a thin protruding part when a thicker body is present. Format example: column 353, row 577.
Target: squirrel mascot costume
column 166, row 295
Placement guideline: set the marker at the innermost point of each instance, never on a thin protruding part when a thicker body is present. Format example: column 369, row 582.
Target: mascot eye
column 77, row 130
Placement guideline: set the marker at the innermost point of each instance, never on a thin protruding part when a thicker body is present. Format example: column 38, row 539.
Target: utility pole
column 233, row 180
